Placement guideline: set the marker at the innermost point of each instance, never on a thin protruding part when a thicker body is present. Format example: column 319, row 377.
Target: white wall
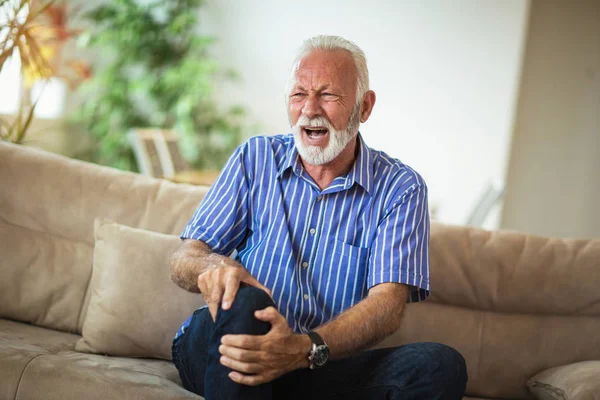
column 445, row 73
column 553, row 184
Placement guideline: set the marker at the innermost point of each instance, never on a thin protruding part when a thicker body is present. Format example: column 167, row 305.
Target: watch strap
column 316, row 338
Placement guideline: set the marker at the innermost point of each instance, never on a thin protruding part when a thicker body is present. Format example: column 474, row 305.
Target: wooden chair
column 157, row 154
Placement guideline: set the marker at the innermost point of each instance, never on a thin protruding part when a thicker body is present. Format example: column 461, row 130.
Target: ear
column 367, row 106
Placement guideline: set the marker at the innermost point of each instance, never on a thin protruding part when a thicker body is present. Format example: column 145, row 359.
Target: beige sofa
column 513, row 304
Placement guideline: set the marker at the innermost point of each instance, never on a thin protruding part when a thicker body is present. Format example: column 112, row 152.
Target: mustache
column 316, row 121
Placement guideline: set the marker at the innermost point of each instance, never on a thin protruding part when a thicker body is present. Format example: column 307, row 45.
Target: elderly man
column 330, row 240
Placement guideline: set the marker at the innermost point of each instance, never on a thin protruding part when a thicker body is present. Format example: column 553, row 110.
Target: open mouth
column 315, row 131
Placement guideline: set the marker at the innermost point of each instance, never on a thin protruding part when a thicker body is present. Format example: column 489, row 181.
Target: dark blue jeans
column 419, row 371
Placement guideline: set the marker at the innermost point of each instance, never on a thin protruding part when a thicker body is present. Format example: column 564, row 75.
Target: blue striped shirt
column 318, row 252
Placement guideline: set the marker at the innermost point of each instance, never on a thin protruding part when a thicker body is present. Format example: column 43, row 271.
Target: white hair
column 334, row 43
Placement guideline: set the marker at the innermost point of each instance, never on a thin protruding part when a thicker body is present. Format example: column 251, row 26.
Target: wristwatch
column 319, row 353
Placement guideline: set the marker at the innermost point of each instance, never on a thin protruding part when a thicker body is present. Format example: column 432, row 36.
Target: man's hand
column 258, row 359
column 221, row 283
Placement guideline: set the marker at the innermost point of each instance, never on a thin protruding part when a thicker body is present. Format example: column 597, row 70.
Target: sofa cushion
column 134, row 308
column 21, row 343
column 75, row 376
column 512, row 272
column 33, row 267
column 579, row 381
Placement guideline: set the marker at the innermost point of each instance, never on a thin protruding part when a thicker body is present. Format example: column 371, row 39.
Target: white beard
column 338, row 140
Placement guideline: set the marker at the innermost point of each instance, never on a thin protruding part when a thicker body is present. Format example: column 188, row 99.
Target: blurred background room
column 495, row 102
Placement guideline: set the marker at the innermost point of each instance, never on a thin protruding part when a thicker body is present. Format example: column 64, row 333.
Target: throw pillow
column 577, row 381
column 134, row 309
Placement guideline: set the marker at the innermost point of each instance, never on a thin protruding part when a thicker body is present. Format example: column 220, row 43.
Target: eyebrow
column 319, row 89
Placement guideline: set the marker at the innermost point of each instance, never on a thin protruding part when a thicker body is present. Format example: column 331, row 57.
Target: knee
column 239, row 318
column 251, row 298
column 445, row 365
column 451, row 360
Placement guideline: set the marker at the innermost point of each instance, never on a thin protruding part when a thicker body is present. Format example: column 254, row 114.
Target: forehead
column 320, row 68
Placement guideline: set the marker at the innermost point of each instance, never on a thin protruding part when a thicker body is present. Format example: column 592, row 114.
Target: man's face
column 322, row 106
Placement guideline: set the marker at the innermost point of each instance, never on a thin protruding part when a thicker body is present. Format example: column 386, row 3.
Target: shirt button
column 319, row 198
column 304, row 264
column 305, row 297
column 312, row 231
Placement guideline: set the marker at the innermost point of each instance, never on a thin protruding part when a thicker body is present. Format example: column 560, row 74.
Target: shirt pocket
column 355, row 253
column 351, row 276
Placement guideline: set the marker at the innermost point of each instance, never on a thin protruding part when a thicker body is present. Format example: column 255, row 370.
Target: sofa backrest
column 513, row 304
column 48, row 204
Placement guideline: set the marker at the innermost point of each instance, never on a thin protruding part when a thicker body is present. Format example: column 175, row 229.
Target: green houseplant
column 155, row 71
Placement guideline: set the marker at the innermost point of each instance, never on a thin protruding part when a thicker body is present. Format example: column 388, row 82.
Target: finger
column 247, row 342
column 240, row 366
column 206, row 285
column 216, row 289
column 212, row 309
column 269, row 314
column 202, row 284
column 242, row 354
column 249, row 380
column 231, row 287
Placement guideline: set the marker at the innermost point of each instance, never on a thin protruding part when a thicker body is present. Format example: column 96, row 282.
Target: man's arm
column 192, row 259
column 196, row 268
column 367, row 322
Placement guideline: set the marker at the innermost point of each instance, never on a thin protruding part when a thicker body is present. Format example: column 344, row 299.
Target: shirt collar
column 292, row 160
column 361, row 172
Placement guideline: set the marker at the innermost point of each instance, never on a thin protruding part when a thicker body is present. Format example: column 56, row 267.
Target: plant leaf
column 33, row 14
column 5, row 56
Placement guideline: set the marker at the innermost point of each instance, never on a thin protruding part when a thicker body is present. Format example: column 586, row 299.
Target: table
column 196, row 177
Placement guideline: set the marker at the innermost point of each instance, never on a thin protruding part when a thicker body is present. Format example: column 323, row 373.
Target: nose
column 311, row 107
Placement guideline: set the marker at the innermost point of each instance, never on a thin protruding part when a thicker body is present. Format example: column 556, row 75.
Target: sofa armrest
column 577, row 381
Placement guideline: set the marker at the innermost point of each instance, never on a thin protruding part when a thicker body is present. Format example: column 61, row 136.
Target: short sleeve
column 220, row 220
column 400, row 251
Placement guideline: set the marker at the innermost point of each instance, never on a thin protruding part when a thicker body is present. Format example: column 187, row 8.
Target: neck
column 324, row 174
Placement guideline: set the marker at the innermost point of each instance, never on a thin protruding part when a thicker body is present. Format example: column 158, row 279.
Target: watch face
column 321, row 355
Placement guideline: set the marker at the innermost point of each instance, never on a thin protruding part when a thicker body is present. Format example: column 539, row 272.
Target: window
column 10, row 75
column 49, row 94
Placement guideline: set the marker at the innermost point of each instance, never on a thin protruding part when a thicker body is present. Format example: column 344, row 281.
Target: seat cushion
column 74, row 376
column 20, row 344
column 40, row 363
